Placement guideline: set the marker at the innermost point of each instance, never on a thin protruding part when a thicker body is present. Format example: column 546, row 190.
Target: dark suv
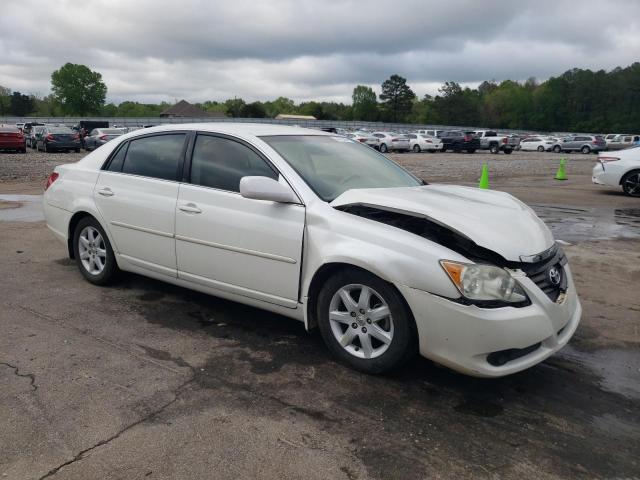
column 457, row 141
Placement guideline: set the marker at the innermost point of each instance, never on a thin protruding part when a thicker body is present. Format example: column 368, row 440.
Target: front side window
column 220, row 163
column 157, row 156
column 333, row 165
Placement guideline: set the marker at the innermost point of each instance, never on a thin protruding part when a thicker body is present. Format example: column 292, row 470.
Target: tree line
column 579, row 100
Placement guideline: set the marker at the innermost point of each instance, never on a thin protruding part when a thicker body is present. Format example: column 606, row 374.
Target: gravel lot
column 146, row 380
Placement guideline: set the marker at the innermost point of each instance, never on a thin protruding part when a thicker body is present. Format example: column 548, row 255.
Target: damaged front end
column 545, row 269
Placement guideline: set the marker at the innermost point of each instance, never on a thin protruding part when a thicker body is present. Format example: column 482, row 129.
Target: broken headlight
column 484, row 282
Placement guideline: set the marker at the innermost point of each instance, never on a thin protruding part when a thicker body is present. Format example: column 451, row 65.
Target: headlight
column 484, row 282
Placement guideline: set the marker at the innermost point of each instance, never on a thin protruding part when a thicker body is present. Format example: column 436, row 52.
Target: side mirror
column 265, row 188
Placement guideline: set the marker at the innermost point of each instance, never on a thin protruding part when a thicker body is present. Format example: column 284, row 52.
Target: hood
column 494, row 220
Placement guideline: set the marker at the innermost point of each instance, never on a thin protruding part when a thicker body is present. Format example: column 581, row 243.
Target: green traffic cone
column 484, row 177
column 561, row 174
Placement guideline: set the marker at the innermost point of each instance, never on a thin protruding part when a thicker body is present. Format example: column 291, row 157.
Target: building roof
column 286, row 116
column 185, row 109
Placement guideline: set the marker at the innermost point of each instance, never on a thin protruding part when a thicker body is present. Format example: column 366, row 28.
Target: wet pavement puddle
column 21, row 208
column 574, row 224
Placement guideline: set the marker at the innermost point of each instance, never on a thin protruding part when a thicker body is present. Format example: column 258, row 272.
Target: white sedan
column 324, row 230
column 619, row 169
column 419, row 142
column 539, row 144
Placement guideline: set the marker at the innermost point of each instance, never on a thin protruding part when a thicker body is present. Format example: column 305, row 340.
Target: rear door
column 136, row 195
column 231, row 243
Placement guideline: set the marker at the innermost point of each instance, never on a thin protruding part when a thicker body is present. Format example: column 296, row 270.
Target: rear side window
column 220, row 163
column 157, row 156
column 118, row 159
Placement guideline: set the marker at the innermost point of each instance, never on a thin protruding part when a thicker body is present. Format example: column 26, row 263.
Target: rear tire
column 507, row 151
column 93, row 253
column 383, row 148
column 471, row 150
column 557, row 149
column 631, row 183
column 374, row 345
column 416, row 148
column 541, row 148
column 493, row 148
column 586, row 149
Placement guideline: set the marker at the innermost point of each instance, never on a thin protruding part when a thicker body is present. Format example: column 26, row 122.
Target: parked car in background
column 20, row 125
column 582, row 143
column 366, row 138
column 619, row 169
column 540, row 144
column 390, row 141
column 26, row 129
column 610, row 136
column 332, row 234
column 623, row 141
column 56, row 138
column 430, row 133
column 33, row 136
column 494, row 142
column 457, row 141
column 100, row 136
column 11, row 138
column 419, row 142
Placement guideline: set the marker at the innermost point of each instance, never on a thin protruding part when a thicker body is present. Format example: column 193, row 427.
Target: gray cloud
column 159, row 50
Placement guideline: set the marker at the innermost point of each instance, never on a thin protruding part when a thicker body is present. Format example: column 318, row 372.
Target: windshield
column 333, row 165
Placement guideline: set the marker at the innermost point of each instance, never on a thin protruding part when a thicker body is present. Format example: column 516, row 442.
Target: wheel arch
column 329, row 269
column 631, row 170
column 73, row 222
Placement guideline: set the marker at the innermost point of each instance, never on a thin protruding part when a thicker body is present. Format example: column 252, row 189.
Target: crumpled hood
column 494, row 220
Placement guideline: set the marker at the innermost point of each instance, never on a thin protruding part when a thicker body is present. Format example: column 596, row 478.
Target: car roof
column 240, row 129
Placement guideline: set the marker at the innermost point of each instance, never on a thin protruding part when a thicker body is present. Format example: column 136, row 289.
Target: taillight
column 505, row 140
column 50, row 137
column 608, row 159
column 76, row 136
column 362, row 139
column 395, row 139
column 52, row 178
column 428, row 141
column 467, row 138
column 102, row 137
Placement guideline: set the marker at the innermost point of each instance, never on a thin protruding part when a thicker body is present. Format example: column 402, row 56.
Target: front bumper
column 461, row 337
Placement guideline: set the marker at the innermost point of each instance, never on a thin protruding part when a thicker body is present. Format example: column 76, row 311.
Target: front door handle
column 106, row 192
column 190, row 208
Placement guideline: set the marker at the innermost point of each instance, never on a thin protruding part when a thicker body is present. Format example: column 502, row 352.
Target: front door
column 231, row 243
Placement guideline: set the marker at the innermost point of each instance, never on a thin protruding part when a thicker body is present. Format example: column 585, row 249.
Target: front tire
column 557, row 149
column 365, row 323
column 631, row 183
column 540, row 148
column 416, row 148
column 585, row 149
column 494, row 148
column 93, row 253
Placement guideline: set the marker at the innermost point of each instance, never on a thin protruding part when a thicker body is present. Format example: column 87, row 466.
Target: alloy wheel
column 361, row 321
column 92, row 250
column 631, row 184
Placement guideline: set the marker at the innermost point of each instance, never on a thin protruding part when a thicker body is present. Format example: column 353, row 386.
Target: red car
column 11, row 138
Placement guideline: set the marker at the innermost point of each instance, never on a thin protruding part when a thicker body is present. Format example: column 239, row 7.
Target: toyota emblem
column 555, row 275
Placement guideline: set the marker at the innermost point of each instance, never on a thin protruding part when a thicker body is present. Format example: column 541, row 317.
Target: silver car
column 390, row 141
column 100, row 136
column 583, row 143
column 623, row 141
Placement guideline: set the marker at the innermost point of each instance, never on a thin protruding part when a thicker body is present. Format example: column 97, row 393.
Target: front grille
column 539, row 273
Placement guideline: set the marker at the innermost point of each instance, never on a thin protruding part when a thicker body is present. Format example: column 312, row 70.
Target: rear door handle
column 106, row 192
column 190, row 208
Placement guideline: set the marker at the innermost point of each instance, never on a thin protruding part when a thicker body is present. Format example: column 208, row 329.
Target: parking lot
column 147, row 380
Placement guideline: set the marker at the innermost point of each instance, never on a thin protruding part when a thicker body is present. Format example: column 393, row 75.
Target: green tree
column 78, row 90
column 5, row 100
column 235, row 106
column 253, row 110
column 397, row 97
column 280, row 105
column 20, row 105
column 365, row 104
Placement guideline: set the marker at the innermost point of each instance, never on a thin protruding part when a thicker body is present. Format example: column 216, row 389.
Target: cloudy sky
column 154, row 50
